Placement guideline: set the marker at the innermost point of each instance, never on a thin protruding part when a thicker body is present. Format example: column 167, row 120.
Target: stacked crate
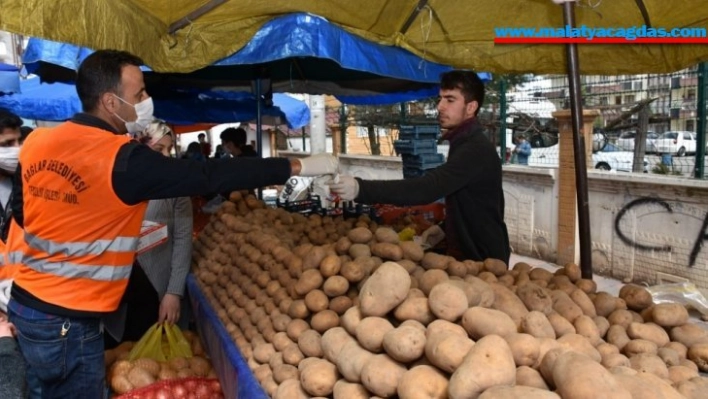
column 418, row 147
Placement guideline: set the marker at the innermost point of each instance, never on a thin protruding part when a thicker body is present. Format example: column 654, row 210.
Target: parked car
column 610, row 158
column 677, row 143
column 626, row 141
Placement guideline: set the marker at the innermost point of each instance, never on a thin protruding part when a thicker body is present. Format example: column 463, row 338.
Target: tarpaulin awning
column 184, row 35
column 298, row 53
column 59, row 101
column 9, row 78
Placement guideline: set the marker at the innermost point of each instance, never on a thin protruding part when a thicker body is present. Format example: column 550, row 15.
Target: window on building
column 604, row 101
column 690, row 125
column 629, row 99
column 618, row 100
column 691, row 94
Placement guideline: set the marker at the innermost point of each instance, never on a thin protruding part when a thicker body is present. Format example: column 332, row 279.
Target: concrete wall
column 645, row 228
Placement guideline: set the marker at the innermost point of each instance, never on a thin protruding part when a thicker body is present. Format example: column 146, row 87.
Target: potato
column 431, row 278
column 139, row 377
column 310, row 279
column 605, row 304
column 491, row 354
column 637, row 346
column 409, row 265
column 371, row 331
column 580, row 344
column 495, row 266
column 263, row 352
column 617, row 336
column 578, row 377
column 335, row 286
column 540, row 274
column 615, row 360
column 648, row 331
column 422, row 382
column 506, row 301
column 342, row 246
column 381, row 375
column 678, row 374
column 519, row 391
column 281, row 341
column 292, row 355
column 622, row 317
column 679, row 348
column 386, row 250
column 359, row 250
column 698, row 353
column 560, row 324
column 474, row 297
column 319, row 377
column 348, row 390
column 536, row 323
column 483, row 288
column 447, row 301
column 310, row 344
column 350, row 319
column 586, row 327
column 384, row 290
column 695, row 388
column 535, row 297
column 351, row 360
column 587, row 286
column 447, row 351
column 456, row 268
column 285, row 372
column 386, row 234
column 298, row 309
column 432, row 260
column 330, row 265
column 324, row 320
column 405, row 343
column 525, row 349
column 332, row 341
column 689, row 334
column 583, row 301
column 316, row 301
column 648, row 363
column 669, row 314
column 636, row 297
column 480, row 322
column 313, row 258
column 602, row 325
column 360, row 235
column 412, row 251
column 529, row 377
column 416, row 308
column 638, row 387
column 340, row 304
column 565, row 306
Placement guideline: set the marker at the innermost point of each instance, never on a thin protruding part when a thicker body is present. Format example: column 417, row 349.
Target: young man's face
column 10, row 137
column 452, row 109
column 229, row 148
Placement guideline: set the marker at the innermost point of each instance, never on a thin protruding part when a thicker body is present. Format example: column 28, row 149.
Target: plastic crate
column 419, row 132
column 416, row 147
column 423, row 161
column 432, row 213
column 310, row 205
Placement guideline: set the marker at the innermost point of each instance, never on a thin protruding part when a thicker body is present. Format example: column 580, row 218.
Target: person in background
column 522, row 150
column 234, row 142
column 12, row 365
column 10, row 134
column 157, row 281
column 470, row 180
column 219, row 152
column 24, row 132
column 204, row 145
column 194, row 152
column 76, row 243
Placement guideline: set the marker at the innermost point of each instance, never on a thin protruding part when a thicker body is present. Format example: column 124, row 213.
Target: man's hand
column 7, row 329
column 318, row 165
column 169, row 309
column 346, row 187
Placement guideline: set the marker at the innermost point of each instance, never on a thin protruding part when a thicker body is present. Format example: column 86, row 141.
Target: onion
column 202, row 390
column 179, row 391
column 163, row 393
column 215, row 386
column 191, row 385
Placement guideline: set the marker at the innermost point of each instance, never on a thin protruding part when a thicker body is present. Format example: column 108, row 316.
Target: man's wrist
column 295, row 167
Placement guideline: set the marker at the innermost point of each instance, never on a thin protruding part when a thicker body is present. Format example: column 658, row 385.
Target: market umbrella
column 59, row 102
column 184, row 35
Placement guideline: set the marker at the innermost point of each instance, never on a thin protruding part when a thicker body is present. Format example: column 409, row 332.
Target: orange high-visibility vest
column 79, row 239
column 7, row 268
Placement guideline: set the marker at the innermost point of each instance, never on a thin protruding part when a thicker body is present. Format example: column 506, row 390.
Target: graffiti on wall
column 639, row 202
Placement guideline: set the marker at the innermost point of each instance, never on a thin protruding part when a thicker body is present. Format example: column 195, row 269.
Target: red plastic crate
column 432, row 213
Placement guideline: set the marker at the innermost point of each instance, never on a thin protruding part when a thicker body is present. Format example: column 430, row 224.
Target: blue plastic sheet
column 59, row 102
column 9, row 78
column 237, row 380
column 302, row 53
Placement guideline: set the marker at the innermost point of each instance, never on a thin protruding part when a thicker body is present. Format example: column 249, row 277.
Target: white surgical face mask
column 9, row 158
column 143, row 110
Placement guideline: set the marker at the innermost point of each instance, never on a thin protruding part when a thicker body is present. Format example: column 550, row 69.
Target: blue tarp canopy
column 9, row 78
column 59, row 101
column 298, row 53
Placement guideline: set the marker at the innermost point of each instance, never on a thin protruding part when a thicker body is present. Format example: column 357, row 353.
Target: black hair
column 8, row 120
column 101, row 72
column 24, row 132
column 200, row 135
column 468, row 82
column 234, row 135
column 194, row 148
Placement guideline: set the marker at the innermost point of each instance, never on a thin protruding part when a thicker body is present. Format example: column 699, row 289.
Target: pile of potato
column 124, row 375
column 325, row 307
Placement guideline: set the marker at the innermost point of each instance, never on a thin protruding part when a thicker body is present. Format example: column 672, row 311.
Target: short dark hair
column 101, row 72
column 200, row 135
column 234, row 135
column 24, row 132
column 8, row 120
column 468, row 82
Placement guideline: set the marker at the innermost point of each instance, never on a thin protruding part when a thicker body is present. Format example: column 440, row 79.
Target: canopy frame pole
column 196, row 14
column 581, row 172
column 413, row 16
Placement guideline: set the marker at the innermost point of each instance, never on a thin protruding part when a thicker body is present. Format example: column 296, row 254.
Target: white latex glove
column 432, row 235
column 345, row 186
column 5, row 288
column 318, row 165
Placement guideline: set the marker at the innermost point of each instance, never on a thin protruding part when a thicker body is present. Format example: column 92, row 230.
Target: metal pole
column 304, row 143
column 343, row 129
column 259, row 128
column 581, row 173
column 502, row 119
column 699, row 170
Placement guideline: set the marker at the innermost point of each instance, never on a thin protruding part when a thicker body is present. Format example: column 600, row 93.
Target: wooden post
column 336, row 141
column 567, row 246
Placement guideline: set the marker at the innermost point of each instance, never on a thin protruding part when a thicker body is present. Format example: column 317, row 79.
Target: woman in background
column 157, row 281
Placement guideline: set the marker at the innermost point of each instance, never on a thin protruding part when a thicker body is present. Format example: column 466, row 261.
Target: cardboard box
column 152, row 234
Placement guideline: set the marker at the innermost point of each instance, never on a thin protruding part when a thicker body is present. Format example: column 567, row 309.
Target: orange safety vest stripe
column 79, row 238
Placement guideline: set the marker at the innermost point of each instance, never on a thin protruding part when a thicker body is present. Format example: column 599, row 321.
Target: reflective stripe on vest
column 73, row 270
column 98, row 247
